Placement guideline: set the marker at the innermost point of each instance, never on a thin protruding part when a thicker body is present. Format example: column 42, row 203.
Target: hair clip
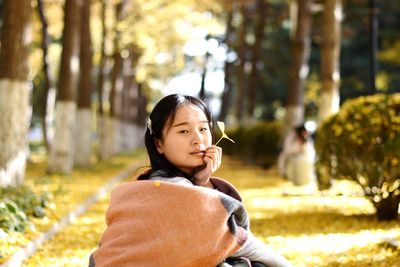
column 149, row 126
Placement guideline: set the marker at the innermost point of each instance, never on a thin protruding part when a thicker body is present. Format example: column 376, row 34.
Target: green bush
column 257, row 144
column 12, row 218
column 362, row 143
column 17, row 204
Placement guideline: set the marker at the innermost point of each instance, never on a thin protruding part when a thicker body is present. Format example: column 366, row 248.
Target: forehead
column 189, row 113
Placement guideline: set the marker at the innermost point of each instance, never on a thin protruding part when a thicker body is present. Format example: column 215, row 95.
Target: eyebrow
column 186, row 123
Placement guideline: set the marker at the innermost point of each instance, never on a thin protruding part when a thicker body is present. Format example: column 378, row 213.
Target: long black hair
column 164, row 112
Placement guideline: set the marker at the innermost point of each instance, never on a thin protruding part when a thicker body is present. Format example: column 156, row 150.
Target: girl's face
column 184, row 141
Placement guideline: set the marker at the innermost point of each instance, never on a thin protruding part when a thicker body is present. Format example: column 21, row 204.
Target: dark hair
column 164, row 112
column 300, row 130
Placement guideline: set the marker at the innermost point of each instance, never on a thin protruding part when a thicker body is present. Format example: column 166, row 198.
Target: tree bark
column 102, row 116
column 226, row 94
column 241, row 71
column 142, row 112
column 103, row 59
column 202, row 93
column 112, row 132
column 126, row 101
column 330, row 58
column 301, row 46
column 388, row 208
column 83, row 151
column 48, row 98
column 373, row 38
column 14, row 91
column 256, row 56
column 62, row 155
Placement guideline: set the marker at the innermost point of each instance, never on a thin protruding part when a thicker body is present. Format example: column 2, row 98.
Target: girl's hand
column 212, row 161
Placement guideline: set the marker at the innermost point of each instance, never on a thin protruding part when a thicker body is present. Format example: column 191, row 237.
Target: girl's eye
column 203, row 129
column 183, row 131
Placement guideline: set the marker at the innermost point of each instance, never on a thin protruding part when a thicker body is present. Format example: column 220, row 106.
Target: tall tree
column 142, row 112
column 62, row 156
column 103, row 58
column 228, row 66
column 14, row 91
column 83, row 151
column 132, row 132
column 48, row 97
column 112, row 123
column 330, row 58
column 103, row 116
column 256, row 64
column 301, row 46
column 241, row 68
column 202, row 93
column 128, row 99
column 373, row 38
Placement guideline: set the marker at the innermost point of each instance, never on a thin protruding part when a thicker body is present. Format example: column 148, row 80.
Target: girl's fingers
column 214, row 157
column 212, row 161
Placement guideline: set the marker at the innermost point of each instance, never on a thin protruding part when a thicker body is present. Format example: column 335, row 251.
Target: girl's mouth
column 198, row 152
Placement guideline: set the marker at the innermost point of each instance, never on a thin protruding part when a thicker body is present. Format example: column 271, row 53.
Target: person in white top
column 296, row 160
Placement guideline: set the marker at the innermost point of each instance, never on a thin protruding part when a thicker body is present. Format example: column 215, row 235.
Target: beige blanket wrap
column 153, row 223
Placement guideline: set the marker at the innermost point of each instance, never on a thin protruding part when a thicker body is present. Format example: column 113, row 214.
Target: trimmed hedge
column 258, row 144
column 362, row 143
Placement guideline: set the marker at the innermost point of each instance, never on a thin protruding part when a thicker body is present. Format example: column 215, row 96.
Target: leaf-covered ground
column 332, row 228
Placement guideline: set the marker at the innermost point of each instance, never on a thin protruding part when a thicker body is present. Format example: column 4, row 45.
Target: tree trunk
column 49, row 93
column 301, row 45
column 103, row 58
column 61, row 158
column 373, row 38
column 102, row 118
column 256, row 57
column 388, row 208
column 112, row 133
column 130, row 102
column 202, row 93
column 226, row 94
column 142, row 112
column 117, row 82
column 330, row 58
column 83, row 151
column 241, row 71
column 106, row 144
column 136, row 132
column 14, row 91
column 126, row 100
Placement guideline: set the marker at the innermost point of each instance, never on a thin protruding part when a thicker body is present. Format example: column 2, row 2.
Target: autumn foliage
column 361, row 143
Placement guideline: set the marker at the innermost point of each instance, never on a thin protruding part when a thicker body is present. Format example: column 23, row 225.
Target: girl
column 296, row 160
column 178, row 214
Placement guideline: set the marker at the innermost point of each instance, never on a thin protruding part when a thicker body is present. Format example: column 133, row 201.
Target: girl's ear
column 159, row 146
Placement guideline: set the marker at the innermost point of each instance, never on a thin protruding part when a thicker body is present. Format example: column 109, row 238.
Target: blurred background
column 79, row 77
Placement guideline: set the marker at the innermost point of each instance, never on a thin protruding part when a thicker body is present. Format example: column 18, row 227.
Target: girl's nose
column 197, row 138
